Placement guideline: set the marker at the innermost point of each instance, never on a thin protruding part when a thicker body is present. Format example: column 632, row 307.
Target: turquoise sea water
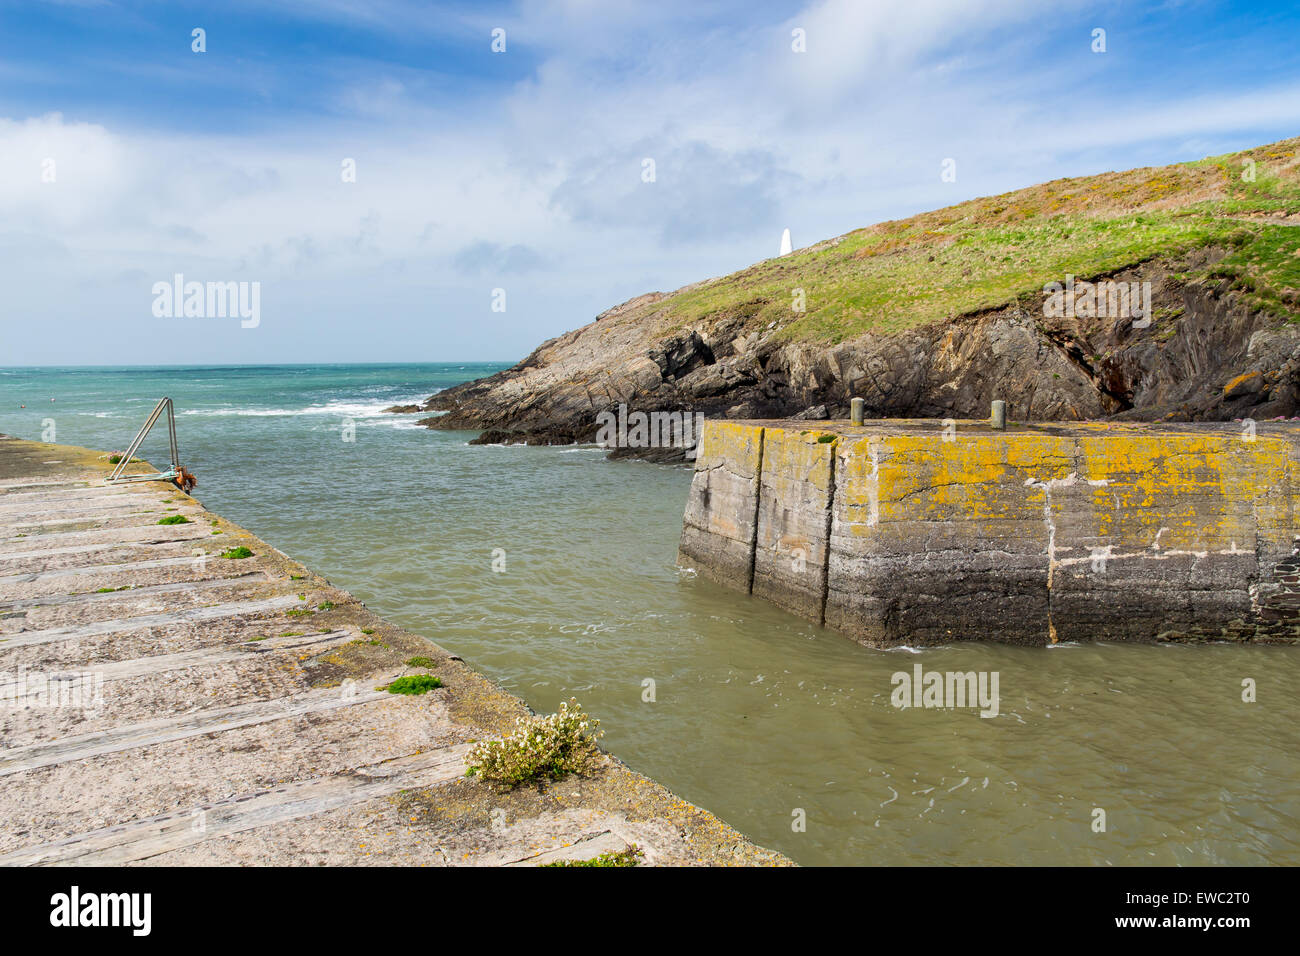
column 758, row 716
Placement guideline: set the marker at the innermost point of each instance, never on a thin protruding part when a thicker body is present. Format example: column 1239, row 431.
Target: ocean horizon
column 212, row 365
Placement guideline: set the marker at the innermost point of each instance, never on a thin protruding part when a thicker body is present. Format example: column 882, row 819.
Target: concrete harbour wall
column 921, row 532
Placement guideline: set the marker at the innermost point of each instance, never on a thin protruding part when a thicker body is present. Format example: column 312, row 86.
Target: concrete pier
column 926, row 531
column 163, row 704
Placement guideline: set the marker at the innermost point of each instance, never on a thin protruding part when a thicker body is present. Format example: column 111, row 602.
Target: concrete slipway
column 160, row 704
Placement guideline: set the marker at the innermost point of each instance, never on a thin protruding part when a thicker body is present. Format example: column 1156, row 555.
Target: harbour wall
column 925, row 531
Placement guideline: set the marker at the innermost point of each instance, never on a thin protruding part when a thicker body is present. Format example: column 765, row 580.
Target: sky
column 396, row 189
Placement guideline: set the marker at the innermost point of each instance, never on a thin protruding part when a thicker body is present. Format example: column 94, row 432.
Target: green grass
column 237, row 554
column 990, row 252
column 855, row 288
column 1267, row 268
column 426, row 662
column 628, row 857
column 174, row 519
column 414, row 684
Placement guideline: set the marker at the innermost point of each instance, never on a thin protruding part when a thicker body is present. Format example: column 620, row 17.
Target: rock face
column 924, row 533
column 1205, row 356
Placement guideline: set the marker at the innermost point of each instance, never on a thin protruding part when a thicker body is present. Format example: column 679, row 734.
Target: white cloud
column 539, row 187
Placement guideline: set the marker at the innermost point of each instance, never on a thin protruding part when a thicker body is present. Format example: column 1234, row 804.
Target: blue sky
column 522, row 170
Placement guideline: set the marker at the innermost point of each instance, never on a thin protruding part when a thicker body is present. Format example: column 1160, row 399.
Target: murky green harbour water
column 758, row 716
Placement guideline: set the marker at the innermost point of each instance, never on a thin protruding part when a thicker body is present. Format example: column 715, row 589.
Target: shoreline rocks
column 1206, row 356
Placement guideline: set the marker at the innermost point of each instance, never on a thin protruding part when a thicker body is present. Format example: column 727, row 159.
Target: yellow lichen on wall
column 911, row 477
column 734, row 443
column 735, row 450
column 1193, row 491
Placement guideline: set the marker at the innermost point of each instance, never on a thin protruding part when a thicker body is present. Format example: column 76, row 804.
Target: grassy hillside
column 988, row 252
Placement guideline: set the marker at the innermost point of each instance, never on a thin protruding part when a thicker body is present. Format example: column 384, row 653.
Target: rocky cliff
column 936, row 315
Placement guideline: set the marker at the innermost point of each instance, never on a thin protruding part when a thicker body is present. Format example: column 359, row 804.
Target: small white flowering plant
column 552, row 746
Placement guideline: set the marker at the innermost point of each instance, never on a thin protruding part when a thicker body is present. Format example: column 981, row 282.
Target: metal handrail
column 117, row 475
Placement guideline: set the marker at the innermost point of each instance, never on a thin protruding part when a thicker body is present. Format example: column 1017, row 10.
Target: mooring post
column 998, row 415
column 858, row 410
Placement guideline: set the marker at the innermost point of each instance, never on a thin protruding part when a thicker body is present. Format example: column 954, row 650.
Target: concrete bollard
column 858, row 410
column 998, row 415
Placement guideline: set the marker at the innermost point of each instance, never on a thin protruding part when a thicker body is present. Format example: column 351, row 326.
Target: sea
column 553, row 571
